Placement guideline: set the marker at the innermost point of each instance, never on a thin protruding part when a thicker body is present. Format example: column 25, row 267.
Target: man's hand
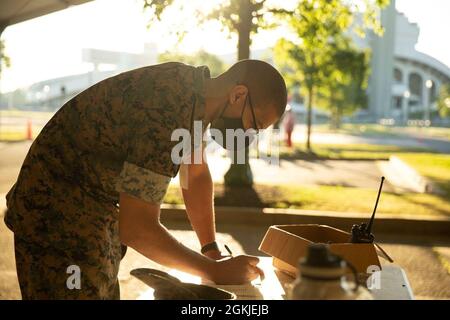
column 237, row 270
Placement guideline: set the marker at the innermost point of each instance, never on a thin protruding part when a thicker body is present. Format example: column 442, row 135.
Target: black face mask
column 225, row 123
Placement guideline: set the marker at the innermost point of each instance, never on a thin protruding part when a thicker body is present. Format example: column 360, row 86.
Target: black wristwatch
column 209, row 247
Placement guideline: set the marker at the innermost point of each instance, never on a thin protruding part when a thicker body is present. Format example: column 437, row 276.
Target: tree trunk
column 244, row 29
column 309, row 118
column 241, row 174
column 338, row 117
column 2, row 28
column 334, row 123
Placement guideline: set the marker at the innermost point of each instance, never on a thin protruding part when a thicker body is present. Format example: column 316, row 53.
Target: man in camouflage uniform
column 111, row 146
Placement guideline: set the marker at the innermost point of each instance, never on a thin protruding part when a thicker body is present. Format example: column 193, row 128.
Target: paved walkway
column 11, row 159
column 358, row 174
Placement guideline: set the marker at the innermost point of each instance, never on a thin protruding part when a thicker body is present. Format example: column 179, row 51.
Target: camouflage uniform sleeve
column 158, row 103
column 142, row 183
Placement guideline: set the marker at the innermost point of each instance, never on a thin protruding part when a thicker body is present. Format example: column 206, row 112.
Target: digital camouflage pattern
column 113, row 137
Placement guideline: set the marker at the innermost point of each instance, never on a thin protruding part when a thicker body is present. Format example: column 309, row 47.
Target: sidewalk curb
column 386, row 224
column 409, row 175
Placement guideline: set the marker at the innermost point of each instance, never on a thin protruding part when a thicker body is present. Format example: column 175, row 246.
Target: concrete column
column 437, row 87
column 405, row 100
column 405, row 110
column 426, row 99
column 382, row 65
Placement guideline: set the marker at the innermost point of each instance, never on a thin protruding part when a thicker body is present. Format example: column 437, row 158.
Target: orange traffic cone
column 29, row 130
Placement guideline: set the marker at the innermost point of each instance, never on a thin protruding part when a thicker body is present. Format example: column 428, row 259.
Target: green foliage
column 157, row 6
column 201, row 57
column 5, row 61
column 344, row 90
column 237, row 14
column 241, row 17
column 443, row 101
column 370, row 15
column 321, row 58
column 319, row 26
column 325, row 198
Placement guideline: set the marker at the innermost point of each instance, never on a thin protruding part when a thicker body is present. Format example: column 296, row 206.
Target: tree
column 443, row 101
column 241, row 17
column 319, row 27
column 344, row 90
column 5, row 61
column 201, row 57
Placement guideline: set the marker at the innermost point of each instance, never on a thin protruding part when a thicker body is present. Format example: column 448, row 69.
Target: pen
column 229, row 251
column 231, row 254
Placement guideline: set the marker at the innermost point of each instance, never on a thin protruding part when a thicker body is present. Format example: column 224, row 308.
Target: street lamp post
column 406, row 95
column 429, row 85
column 2, row 28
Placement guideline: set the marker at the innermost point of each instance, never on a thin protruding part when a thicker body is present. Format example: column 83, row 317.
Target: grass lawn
column 328, row 198
column 357, row 129
column 434, row 132
column 17, row 133
column 16, row 128
column 346, row 151
column 377, row 130
column 26, row 114
column 344, row 199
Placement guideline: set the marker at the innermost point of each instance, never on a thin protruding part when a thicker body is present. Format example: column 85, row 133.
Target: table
column 393, row 284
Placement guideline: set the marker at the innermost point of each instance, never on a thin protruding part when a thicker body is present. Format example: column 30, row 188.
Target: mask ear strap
column 245, row 105
column 223, row 111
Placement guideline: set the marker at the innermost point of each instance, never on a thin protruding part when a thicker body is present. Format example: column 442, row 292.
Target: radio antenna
column 369, row 227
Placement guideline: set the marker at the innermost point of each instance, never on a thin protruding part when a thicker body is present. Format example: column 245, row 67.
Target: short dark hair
column 266, row 85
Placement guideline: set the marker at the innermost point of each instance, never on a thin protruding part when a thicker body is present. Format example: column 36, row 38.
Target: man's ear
column 237, row 93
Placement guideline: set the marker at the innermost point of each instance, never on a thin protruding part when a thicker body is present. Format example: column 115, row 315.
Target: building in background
column 404, row 82
column 53, row 93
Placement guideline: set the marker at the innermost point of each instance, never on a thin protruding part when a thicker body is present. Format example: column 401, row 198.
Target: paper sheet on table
column 244, row 291
column 268, row 289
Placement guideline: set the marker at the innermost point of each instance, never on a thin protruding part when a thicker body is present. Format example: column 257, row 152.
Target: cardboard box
column 288, row 243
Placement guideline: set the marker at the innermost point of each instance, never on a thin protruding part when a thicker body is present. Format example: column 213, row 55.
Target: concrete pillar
column 405, row 110
column 382, row 65
column 426, row 99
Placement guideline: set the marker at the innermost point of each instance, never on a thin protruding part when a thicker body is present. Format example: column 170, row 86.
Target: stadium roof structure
column 15, row 11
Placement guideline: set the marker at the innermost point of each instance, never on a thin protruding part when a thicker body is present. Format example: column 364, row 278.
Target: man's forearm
column 198, row 198
column 157, row 244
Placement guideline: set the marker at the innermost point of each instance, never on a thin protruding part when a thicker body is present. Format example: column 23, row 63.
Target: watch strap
column 210, row 246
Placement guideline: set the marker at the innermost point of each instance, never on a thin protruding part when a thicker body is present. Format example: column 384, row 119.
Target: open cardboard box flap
column 288, row 243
